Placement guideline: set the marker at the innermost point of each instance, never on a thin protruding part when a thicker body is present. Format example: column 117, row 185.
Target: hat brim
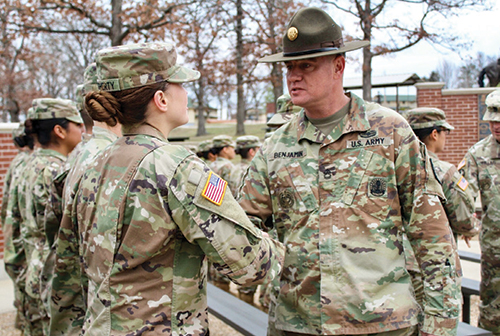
column 75, row 119
column 349, row 46
column 279, row 119
column 184, row 75
column 489, row 116
column 448, row 126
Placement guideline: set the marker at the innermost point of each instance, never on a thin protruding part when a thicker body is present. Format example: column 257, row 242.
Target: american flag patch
column 461, row 164
column 462, row 183
column 214, row 189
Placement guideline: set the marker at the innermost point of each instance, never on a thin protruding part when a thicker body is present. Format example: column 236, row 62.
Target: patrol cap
column 310, row 33
column 493, row 106
column 30, row 113
column 50, row 108
column 248, row 141
column 79, row 96
column 135, row 65
column 427, row 117
column 90, row 79
column 205, row 146
column 16, row 132
column 285, row 109
column 220, row 141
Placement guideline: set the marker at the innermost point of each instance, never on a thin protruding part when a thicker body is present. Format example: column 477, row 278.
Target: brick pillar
column 7, row 152
column 429, row 94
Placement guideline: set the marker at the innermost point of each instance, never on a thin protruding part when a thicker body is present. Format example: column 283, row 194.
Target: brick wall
column 464, row 109
column 7, row 153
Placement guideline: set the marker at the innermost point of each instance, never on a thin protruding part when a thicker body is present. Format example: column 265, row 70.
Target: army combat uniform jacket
column 149, row 214
column 481, row 168
column 238, row 172
column 339, row 203
column 69, row 285
column 459, row 205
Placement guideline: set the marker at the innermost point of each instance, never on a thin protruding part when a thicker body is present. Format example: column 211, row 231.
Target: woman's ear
column 60, row 132
column 160, row 100
column 434, row 134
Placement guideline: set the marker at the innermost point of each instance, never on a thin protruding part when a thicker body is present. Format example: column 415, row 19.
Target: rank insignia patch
column 214, row 189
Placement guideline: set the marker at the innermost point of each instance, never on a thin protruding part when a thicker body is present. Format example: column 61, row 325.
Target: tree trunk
column 201, row 107
column 116, row 23
column 367, row 73
column 240, row 110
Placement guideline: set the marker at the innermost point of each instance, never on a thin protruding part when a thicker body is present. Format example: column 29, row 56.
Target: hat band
column 316, row 48
column 129, row 82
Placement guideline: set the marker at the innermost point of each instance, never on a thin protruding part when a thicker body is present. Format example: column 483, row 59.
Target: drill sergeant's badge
column 292, row 33
column 378, row 187
column 286, row 199
column 368, row 134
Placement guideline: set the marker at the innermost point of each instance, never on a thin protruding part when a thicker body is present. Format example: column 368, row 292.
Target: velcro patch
column 215, row 189
column 461, row 164
column 462, row 183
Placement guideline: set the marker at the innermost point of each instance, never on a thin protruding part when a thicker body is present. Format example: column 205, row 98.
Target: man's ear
column 60, row 132
column 339, row 66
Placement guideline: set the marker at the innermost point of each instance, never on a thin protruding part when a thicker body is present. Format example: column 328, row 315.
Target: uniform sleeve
column 14, row 255
column 235, row 246
column 469, row 169
column 254, row 192
column 69, row 283
column 5, row 199
column 459, row 205
column 427, row 228
column 51, row 203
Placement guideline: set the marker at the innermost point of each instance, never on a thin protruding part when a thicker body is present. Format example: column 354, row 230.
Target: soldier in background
column 14, row 256
column 57, row 126
column 338, row 183
column 430, row 126
column 481, row 168
column 69, row 285
column 157, row 211
column 204, row 151
column 224, row 149
column 246, row 147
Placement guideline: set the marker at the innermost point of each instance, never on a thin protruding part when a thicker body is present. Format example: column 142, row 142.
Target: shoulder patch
column 215, row 189
column 461, row 164
column 462, row 183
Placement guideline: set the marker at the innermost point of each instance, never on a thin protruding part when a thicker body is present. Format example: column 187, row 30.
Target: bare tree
column 117, row 19
column 374, row 17
column 198, row 41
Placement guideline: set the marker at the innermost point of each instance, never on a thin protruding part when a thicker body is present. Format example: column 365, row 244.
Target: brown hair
column 128, row 107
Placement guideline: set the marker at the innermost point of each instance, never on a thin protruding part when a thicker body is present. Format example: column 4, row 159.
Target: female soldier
column 68, row 302
column 14, row 258
column 57, row 127
column 150, row 213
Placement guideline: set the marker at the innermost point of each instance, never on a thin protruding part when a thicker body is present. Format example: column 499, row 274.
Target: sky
column 479, row 30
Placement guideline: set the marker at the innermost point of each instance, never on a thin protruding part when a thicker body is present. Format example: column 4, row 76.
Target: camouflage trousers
column 489, row 306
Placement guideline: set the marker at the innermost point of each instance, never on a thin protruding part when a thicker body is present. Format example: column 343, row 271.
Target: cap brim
column 278, row 119
column 184, row 75
column 75, row 119
column 349, row 46
column 448, row 126
column 489, row 116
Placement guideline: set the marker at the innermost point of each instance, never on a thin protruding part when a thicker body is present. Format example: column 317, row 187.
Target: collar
column 494, row 148
column 50, row 152
column 144, row 128
column 355, row 121
column 102, row 133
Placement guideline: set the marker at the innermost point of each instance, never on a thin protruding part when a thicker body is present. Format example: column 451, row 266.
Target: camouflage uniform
column 150, row 200
column 222, row 166
column 339, row 203
column 481, row 167
column 239, row 169
column 148, row 219
column 69, row 285
column 14, row 257
column 39, row 223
